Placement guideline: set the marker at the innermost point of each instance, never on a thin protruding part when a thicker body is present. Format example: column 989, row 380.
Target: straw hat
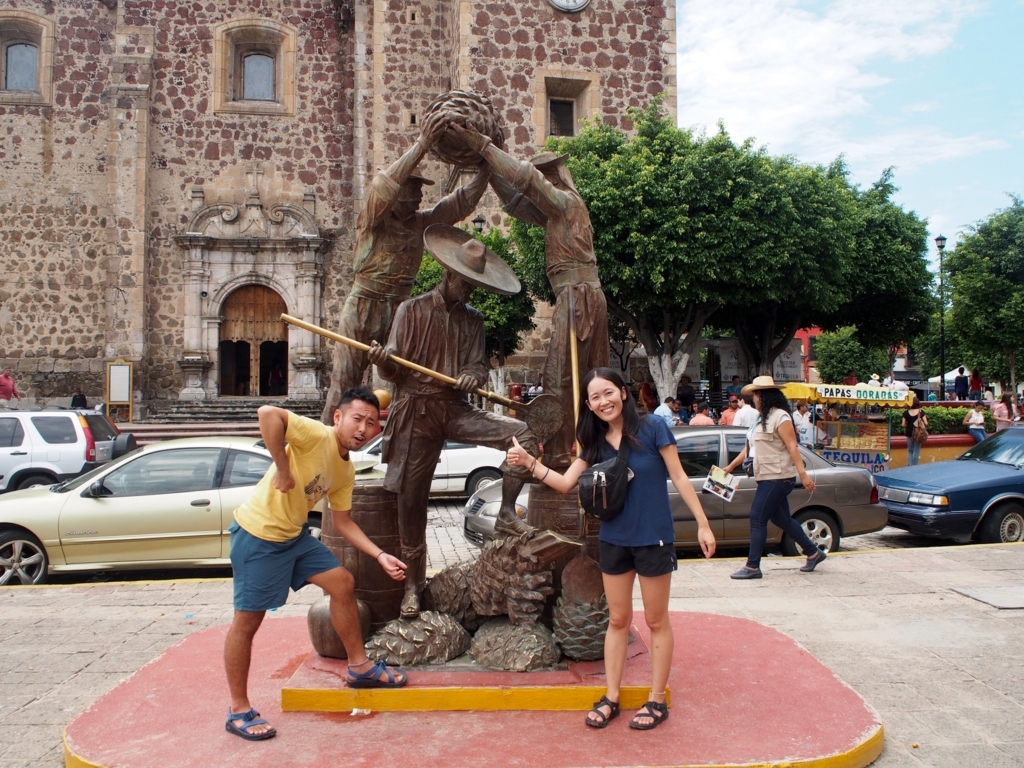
column 470, row 259
column 760, row 382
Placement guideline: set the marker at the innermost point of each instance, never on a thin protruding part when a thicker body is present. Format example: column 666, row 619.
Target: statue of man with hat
column 389, row 248
column 438, row 330
column 541, row 191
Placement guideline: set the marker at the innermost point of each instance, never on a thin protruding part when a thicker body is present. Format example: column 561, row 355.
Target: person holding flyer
column 777, row 464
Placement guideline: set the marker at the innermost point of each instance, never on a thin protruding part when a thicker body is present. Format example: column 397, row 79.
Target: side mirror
column 96, row 490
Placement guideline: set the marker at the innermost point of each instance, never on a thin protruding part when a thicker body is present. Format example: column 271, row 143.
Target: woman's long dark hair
column 590, row 430
column 771, row 398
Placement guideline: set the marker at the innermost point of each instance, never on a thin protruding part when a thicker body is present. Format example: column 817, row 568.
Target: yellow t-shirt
column 318, row 470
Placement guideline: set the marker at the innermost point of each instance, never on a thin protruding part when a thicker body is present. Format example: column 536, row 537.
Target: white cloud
column 796, row 79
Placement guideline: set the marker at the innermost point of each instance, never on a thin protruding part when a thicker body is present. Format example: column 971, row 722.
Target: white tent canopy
column 951, row 375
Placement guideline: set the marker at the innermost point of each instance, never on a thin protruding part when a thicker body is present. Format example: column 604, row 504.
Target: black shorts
column 655, row 560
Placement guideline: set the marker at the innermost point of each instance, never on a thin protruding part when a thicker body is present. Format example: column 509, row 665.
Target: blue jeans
column 771, row 503
column 913, row 452
column 978, row 433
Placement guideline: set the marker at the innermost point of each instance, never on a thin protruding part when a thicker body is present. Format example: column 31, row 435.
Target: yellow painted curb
column 860, row 756
column 71, row 760
column 481, row 699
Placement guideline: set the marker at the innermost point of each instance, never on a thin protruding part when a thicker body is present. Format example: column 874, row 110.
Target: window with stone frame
column 26, row 53
column 565, row 100
column 254, row 67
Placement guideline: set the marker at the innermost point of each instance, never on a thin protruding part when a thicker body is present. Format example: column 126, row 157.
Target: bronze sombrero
column 545, row 159
column 470, row 259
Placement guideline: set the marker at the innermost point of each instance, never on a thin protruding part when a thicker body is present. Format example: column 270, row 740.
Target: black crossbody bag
column 602, row 487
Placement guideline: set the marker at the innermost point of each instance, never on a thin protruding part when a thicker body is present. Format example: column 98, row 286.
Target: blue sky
column 931, row 87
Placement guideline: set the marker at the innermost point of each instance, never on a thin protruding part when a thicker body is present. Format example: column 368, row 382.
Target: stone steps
column 146, row 433
column 225, row 410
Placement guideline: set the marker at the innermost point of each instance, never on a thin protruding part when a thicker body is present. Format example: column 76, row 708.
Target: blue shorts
column 263, row 570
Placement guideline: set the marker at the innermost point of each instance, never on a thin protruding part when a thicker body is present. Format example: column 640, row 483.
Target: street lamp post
column 940, row 243
column 478, row 223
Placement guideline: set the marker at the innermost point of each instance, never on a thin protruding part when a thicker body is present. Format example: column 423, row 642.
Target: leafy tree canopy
column 986, row 271
column 841, row 351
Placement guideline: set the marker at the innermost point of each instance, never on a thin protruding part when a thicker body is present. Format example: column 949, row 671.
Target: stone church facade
column 177, row 174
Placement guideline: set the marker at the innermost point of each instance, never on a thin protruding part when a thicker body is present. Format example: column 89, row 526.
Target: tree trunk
column 1012, row 357
column 497, row 377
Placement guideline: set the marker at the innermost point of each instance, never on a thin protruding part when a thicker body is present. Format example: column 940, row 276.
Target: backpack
column 920, row 433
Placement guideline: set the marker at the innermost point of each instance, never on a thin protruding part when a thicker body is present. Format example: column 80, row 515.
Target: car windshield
column 78, row 482
column 1006, row 447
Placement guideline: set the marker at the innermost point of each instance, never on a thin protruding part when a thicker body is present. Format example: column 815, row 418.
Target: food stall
column 859, row 433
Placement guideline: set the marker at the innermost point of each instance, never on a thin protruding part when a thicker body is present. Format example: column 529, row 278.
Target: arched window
column 254, row 67
column 21, row 66
column 258, row 77
column 26, row 58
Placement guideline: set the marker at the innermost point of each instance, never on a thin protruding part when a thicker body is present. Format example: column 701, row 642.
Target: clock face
column 570, row 6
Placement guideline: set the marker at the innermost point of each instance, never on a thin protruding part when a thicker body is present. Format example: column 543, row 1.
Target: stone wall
column 99, row 175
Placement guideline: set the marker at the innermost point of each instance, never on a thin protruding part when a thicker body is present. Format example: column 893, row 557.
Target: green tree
column 891, row 299
column 506, row 318
column 841, row 351
column 986, row 272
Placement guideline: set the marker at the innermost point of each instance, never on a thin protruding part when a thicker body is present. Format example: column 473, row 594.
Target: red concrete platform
column 743, row 694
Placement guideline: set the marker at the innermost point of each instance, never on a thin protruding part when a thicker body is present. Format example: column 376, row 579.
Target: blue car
column 977, row 497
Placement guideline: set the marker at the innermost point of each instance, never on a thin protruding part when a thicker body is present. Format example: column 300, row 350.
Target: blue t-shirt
column 646, row 518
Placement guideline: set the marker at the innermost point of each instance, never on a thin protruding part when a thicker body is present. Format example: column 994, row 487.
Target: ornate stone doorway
column 253, row 348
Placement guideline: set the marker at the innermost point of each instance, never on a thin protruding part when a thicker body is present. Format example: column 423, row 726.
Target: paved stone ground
column 943, row 670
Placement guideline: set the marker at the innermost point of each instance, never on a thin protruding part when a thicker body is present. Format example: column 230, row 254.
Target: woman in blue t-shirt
column 640, row 540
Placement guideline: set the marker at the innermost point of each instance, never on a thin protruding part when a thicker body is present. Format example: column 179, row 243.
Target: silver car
column 844, row 502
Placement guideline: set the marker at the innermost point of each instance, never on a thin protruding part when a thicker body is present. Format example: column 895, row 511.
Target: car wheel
column 819, row 526
column 22, row 559
column 35, row 481
column 480, row 478
column 1003, row 525
column 316, row 525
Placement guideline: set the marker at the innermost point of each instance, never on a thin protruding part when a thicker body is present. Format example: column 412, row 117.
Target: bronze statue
column 542, row 192
column 389, row 248
column 439, row 331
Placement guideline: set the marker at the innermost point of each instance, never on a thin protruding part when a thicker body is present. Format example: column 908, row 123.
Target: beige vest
column 771, row 458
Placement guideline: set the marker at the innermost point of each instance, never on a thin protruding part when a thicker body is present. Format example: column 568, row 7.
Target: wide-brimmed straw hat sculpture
column 470, row 259
column 544, row 159
column 760, row 382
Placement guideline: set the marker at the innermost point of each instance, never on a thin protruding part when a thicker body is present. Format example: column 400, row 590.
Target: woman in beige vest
column 777, row 464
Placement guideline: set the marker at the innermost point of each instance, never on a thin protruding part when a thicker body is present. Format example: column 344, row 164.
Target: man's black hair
column 702, row 406
column 363, row 393
column 668, row 400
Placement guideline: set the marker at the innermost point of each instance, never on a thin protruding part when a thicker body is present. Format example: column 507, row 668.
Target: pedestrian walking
column 975, row 387
column 701, row 418
column 640, row 540
column 910, row 418
column 8, row 389
column 271, row 549
column 961, row 384
column 975, row 422
column 777, row 464
column 1004, row 412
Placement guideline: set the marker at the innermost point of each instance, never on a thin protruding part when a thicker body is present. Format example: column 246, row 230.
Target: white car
column 462, row 469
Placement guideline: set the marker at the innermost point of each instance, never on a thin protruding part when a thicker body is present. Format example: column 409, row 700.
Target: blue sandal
column 370, row 678
column 249, row 719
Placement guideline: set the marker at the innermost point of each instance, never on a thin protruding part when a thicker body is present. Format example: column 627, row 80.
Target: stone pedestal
column 194, row 368
column 305, row 375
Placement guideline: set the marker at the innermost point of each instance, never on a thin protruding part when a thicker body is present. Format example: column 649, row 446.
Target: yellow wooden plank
column 487, row 699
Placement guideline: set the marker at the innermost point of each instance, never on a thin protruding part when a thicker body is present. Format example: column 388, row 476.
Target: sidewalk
column 942, row 669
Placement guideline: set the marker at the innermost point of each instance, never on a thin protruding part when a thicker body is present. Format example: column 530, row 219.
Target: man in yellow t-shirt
column 271, row 549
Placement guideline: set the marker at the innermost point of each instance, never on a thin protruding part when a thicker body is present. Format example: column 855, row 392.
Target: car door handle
column 201, row 503
column 19, row 453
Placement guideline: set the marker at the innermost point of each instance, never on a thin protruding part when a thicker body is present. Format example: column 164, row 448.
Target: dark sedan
column 845, row 502
column 978, row 496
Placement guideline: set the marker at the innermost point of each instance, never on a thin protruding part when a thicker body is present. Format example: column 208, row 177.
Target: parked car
column 978, row 496
column 844, row 502
column 167, row 505
column 45, row 447
column 461, row 470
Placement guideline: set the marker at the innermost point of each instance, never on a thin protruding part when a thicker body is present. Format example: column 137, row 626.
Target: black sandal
column 657, row 710
column 603, row 722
